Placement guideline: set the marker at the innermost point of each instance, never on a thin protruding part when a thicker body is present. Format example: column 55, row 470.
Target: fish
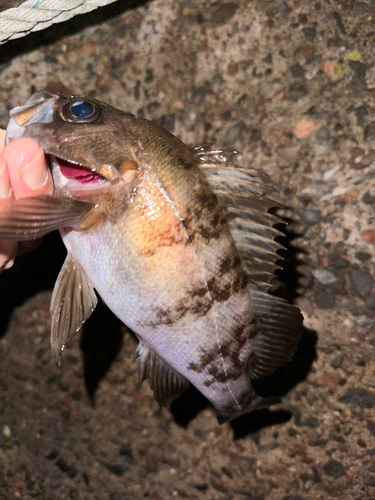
column 178, row 242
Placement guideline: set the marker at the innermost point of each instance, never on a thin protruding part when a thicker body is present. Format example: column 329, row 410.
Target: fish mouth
column 83, row 175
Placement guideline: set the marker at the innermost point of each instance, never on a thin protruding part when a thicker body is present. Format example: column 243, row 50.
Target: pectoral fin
column 30, row 218
column 73, row 301
column 165, row 382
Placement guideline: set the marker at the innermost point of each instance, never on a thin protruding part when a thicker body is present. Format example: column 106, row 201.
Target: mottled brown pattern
column 195, row 301
column 229, row 261
column 230, row 351
column 222, row 290
column 205, row 218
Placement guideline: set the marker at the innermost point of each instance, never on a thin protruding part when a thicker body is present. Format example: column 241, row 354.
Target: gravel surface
column 290, row 85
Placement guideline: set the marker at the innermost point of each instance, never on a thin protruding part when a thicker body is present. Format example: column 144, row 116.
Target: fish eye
column 80, row 111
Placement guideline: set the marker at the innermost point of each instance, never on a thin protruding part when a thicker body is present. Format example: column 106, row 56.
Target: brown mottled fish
column 177, row 242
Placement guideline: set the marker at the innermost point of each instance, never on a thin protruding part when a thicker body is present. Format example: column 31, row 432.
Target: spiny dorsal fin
column 278, row 326
column 165, row 382
column 242, row 198
column 73, row 301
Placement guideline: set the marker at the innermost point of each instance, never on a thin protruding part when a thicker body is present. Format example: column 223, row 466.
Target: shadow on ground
column 30, row 274
column 101, row 343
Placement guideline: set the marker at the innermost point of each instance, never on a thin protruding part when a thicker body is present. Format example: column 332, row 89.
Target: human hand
column 23, row 173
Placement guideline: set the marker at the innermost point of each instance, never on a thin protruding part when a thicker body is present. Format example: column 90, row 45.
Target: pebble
column 371, row 428
column 337, row 361
column 268, row 59
column 359, row 397
column 361, row 112
column 368, row 236
column 315, row 475
column 322, row 134
column 306, row 306
column 360, row 159
column 304, row 128
column 324, row 300
column 224, row 13
column 334, row 468
column 339, row 23
column 307, row 51
column 364, row 321
column 309, row 422
column 296, row 91
column 297, row 71
column 361, row 281
column 71, row 470
column 362, row 256
column 201, row 486
column 305, row 279
column 368, row 198
column 370, row 303
column 340, row 263
column 324, row 276
column 369, row 132
column 6, row 431
column 310, row 217
column 52, row 455
column 233, row 134
column 117, row 470
column 284, row 9
column 358, row 83
column 330, row 380
column 330, row 67
column 126, row 451
column 310, row 34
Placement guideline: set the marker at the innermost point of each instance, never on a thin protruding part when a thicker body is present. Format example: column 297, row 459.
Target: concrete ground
column 291, row 86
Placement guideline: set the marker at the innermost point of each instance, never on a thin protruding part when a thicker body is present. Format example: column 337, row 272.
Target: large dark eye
column 80, row 111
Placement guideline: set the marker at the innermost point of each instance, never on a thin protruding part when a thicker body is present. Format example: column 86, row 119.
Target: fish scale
column 178, row 243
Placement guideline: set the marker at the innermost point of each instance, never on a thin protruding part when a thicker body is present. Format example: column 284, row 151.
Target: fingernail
column 5, row 189
column 8, row 264
column 34, row 173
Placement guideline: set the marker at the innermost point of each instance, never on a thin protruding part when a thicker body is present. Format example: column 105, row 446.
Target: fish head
column 81, row 138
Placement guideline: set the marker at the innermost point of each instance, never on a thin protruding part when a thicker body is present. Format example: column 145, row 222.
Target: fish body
column 177, row 243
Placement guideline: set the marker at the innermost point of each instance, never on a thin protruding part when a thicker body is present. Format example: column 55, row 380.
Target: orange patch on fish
column 159, row 226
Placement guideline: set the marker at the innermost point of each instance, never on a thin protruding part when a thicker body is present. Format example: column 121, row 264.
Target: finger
column 2, row 139
column 28, row 171
column 8, row 249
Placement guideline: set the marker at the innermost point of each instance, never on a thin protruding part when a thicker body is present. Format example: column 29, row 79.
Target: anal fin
column 73, row 301
column 278, row 326
column 165, row 382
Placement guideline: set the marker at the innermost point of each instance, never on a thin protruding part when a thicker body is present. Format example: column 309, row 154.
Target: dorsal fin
column 245, row 205
column 165, row 382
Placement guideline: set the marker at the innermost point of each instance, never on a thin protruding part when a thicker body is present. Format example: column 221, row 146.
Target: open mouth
column 82, row 174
